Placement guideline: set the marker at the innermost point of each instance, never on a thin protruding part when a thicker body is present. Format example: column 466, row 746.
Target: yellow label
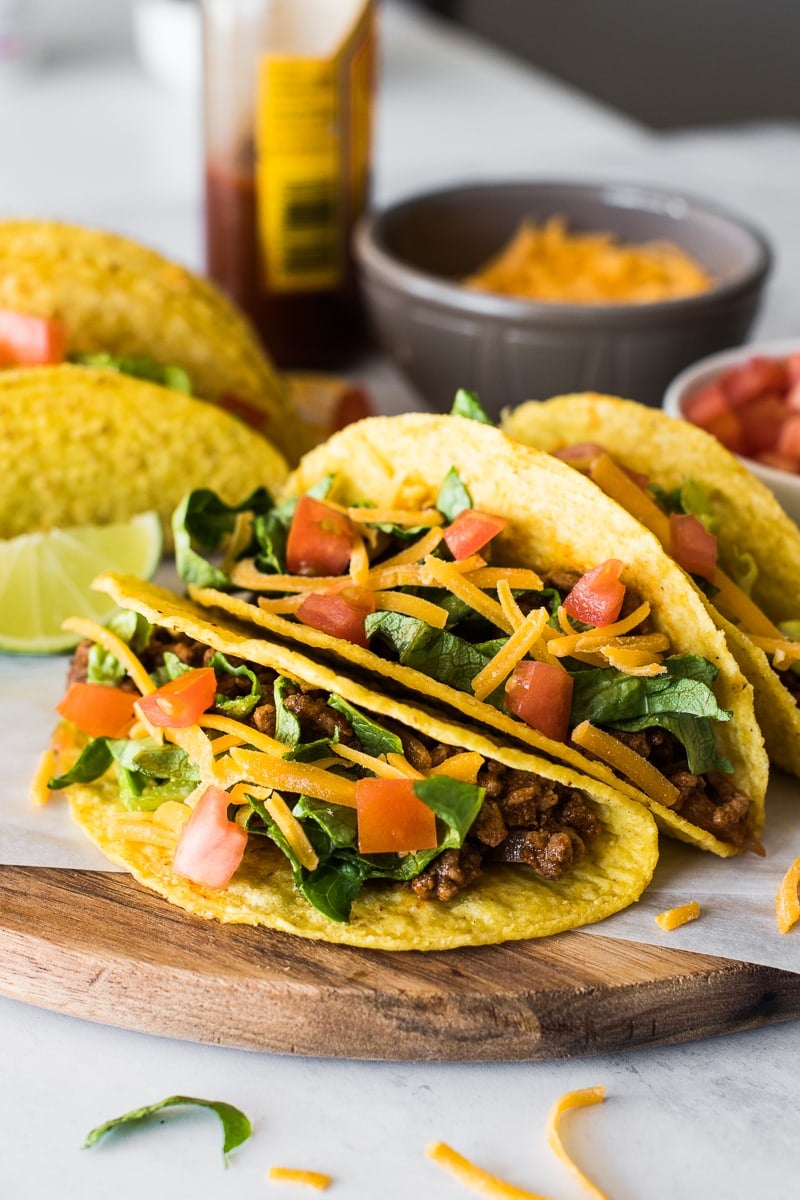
column 313, row 137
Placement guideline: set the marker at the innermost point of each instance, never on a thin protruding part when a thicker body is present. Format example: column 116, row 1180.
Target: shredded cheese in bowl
column 548, row 262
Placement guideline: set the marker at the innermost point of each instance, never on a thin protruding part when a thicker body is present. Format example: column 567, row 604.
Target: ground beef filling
column 710, row 801
column 524, row 819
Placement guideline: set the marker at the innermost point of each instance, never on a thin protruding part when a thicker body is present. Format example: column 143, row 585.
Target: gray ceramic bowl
column 444, row 336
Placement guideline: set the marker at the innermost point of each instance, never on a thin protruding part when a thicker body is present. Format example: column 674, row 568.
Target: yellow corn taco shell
column 556, row 521
column 81, row 446
column 750, row 522
column 503, row 904
column 115, row 295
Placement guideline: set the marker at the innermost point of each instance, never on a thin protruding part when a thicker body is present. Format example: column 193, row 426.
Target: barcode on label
column 310, row 242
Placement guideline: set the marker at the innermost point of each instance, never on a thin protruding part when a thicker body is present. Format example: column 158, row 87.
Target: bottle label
column 313, row 142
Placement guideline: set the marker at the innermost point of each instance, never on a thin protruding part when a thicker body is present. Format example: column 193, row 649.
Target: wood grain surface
column 100, row 947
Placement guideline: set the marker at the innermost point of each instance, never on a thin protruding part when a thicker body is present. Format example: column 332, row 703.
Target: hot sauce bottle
column 288, row 99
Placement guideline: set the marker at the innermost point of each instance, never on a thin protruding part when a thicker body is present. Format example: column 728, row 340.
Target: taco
column 106, row 300
column 716, row 519
column 252, row 785
column 580, row 639
column 80, row 446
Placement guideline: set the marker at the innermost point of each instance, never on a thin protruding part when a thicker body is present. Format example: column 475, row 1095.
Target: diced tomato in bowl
column 749, row 400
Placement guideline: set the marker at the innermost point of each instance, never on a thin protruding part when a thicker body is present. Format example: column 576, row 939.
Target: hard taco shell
column 750, row 521
column 556, row 521
column 504, row 904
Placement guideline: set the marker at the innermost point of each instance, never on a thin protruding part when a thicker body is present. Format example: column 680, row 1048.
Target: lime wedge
column 47, row 577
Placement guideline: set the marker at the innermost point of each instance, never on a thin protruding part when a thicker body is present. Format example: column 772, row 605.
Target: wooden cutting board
column 99, row 946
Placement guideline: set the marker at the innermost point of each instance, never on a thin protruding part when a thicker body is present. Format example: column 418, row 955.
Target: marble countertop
column 95, row 141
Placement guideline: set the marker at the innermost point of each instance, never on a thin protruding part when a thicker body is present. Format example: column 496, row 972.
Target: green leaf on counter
column 236, row 1126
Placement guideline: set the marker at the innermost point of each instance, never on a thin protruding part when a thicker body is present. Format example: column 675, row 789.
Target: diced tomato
column 98, row 709
column 471, row 531
column 255, row 417
column 182, row 701
column 761, row 422
column 706, row 405
column 28, row 341
column 727, row 429
column 391, row 818
column 541, row 694
column 597, row 597
column 758, row 375
column 793, row 396
column 320, row 539
column 789, row 441
column 692, row 545
column 341, row 614
column 580, row 452
column 793, row 368
column 210, row 847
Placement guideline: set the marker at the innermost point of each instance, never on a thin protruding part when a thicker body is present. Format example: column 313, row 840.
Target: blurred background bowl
column 784, row 484
column 443, row 335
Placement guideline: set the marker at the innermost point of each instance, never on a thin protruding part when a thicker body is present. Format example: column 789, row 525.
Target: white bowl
column 785, row 486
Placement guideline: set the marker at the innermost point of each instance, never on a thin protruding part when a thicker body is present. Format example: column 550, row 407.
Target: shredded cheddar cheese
column 626, row 762
column 508, row 604
column 516, row 577
column 506, row 659
column 783, row 652
column 114, row 645
column 549, row 263
column 396, row 516
column 464, row 766
column 243, row 733
column 673, row 918
column 378, row 766
column 594, row 639
column 787, row 902
column 284, row 604
column 448, row 576
column 475, row 1178
column 292, row 830
column 421, row 574
column 307, row 778
column 577, row 1099
column 359, row 561
column 632, row 661
column 314, row 1179
column 417, row 551
column 46, row 769
column 411, row 606
column 403, row 765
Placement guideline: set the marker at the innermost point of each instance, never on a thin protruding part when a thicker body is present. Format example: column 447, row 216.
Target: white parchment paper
column 736, row 896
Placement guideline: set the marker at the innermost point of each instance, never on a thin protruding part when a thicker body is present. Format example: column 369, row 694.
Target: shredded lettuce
column 467, row 404
column 453, row 496
column 236, row 1127
column 203, row 519
column 139, row 368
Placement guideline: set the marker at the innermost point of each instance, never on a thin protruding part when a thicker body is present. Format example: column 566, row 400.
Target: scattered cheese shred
column 632, row 661
column 411, row 606
column 359, row 561
column 306, row 778
column 508, row 604
column 787, row 902
column 403, row 765
column 314, row 1179
column 416, row 551
column 577, row 1099
column 243, row 733
column 132, row 830
column 596, row 639
column 673, row 918
column 475, row 1178
column 737, row 605
column 507, row 657
column 292, row 830
column 246, row 575
column 626, row 762
column 284, row 604
column 420, row 574
column 464, row 766
column 617, row 484
column 516, row 577
column 448, row 576
column 46, row 768
column 114, row 645
column 396, row 516
column 378, row 766
column 784, row 652
column 223, row 743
